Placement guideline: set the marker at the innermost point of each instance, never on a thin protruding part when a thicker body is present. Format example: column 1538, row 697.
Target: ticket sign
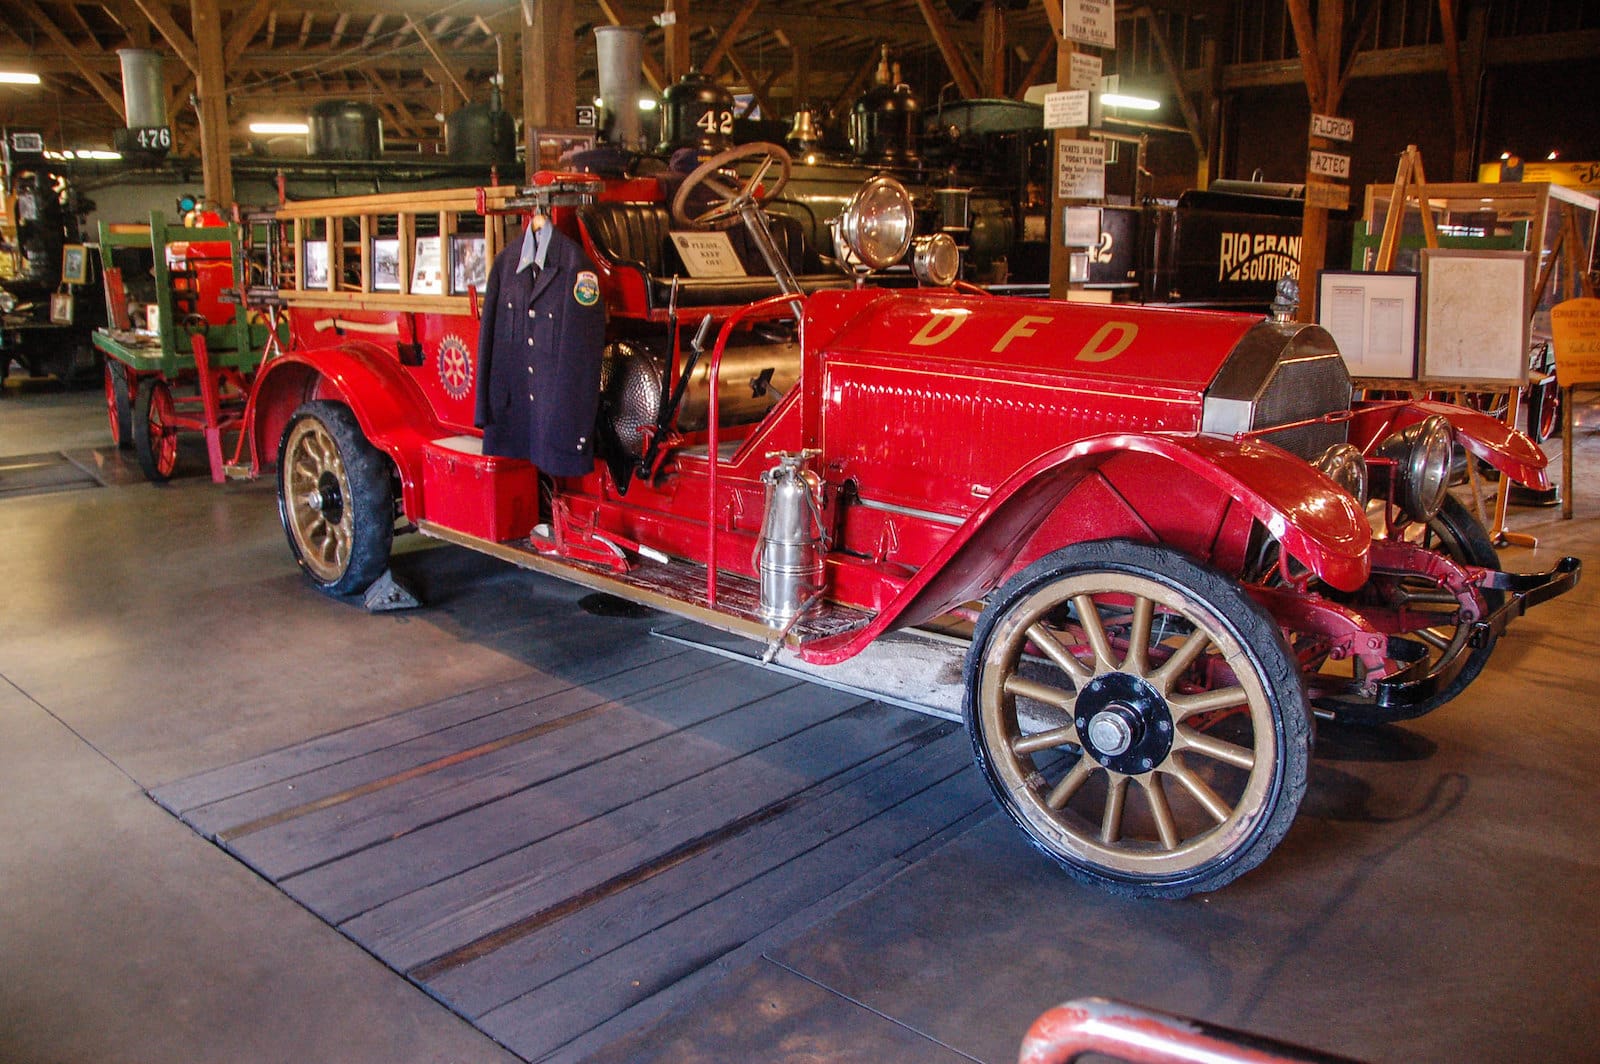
column 1066, row 110
column 1332, row 128
column 1329, row 164
column 1081, row 169
column 1089, row 22
column 1576, row 328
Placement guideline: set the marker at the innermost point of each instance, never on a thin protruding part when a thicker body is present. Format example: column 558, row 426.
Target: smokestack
column 144, row 92
column 619, row 55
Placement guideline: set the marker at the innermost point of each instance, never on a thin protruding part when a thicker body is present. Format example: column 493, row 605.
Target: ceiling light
column 280, row 128
column 18, row 77
column 1552, row 156
column 1133, row 103
column 648, row 103
column 97, row 153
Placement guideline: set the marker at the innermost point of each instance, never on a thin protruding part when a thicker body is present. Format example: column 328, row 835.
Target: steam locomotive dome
column 696, row 112
column 884, row 125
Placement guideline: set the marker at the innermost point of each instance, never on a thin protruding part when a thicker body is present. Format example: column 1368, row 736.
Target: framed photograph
column 314, row 264
column 1475, row 315
column 61, row 308
column 469, row 264
column 550, row 146
column 386, row 264
column 1373, row 319
column 427, row 267
column 74, row 264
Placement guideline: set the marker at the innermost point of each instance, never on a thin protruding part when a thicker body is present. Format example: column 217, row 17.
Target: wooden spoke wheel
column 335, row 498
column 119, row 404
column 1457, row 534
column 155, row 436
column 1139, row 716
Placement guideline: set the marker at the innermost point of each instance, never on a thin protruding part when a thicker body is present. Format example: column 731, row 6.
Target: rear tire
column 335, row 498
column 155, row 437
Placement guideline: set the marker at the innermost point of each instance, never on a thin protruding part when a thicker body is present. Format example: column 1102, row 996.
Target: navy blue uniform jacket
column 539, row 349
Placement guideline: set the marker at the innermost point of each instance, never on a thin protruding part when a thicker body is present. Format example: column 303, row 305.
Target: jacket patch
column 586, row 289
column 455, row 367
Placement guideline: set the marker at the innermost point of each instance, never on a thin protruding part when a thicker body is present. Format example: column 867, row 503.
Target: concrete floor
column 1433, row 902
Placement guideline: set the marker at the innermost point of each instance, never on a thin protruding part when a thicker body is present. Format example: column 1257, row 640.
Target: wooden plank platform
column 569, row 856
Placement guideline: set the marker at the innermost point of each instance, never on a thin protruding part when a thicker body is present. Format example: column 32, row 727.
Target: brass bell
column 804, row 133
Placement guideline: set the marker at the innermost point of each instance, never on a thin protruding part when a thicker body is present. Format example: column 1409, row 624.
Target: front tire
column 119, row 406
column 335, row 498
column 1139, row 717
column 155, row 436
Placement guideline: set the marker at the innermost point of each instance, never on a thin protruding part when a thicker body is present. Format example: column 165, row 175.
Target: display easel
column 1410, row 186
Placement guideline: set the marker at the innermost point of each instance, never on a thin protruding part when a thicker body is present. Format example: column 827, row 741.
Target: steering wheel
column 726, row 213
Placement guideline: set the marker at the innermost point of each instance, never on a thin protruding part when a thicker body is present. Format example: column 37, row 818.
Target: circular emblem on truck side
column 455, row 367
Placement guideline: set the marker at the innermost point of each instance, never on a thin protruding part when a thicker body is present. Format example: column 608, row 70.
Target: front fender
column 1511, row 452
column 391, row 409
column 1317, row 522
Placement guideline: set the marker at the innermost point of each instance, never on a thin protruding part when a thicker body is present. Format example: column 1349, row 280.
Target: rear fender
column 392, row 411
column 1511, row 452
column 1317, row 522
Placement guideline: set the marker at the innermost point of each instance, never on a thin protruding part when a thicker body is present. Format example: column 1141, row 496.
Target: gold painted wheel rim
column 317, row 498
column 1202, row 799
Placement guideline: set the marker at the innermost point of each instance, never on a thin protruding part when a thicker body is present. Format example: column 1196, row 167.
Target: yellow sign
column 1576, row 325
column 1582, row 176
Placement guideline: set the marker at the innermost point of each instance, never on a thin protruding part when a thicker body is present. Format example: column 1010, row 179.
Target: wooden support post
column 677, row 38
column 216, row 165
column 994, row 49
column 549, row 84
column 1060, row 254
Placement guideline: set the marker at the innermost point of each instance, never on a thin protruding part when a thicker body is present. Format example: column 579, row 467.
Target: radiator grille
column 1281, row 374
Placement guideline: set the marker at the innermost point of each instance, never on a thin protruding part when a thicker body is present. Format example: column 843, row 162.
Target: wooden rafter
column 1305, row 42
column 337, row 33
column 373, row 28
column 758, row 87
column 305, row 29
column 75, row 57
column 170, row 31
column 403, row 121
column 1191, row 115
column 132, row 24
column 949, row 48
column 452, row 76
column 272, row 30
column 729, row 36
column 1031, row 76
column 242, row 28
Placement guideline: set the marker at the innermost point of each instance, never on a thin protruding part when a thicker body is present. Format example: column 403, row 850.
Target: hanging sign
column 1084, row 72
column 1066, row 110
column 1576, row 328
column 1329, row 164
column 1328, row 196
column 1089, row 22
column 1081, row 169
column 1332, row 128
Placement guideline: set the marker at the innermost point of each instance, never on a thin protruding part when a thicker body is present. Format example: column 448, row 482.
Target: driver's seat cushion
column 638, row 236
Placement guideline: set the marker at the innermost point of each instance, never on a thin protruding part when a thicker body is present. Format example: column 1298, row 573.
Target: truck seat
column 637, row 237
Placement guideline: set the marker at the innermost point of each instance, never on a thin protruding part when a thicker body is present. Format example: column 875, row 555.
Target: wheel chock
column 387, row 593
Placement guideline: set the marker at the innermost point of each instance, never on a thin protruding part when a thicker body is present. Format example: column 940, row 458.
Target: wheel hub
column 325, row 499
column 1124, row 723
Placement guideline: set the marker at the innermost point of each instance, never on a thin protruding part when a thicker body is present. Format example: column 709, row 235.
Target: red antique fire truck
column 1171, row 532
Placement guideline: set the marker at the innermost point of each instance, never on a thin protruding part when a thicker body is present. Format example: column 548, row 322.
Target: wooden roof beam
column 728, row 37
column 1191, row 115
column 954, row 55
column 101, row 87
column 242, row 28
column 451, row 75
column 371, row 36
column 337, row 33
column 305, row 30
column 170, row 31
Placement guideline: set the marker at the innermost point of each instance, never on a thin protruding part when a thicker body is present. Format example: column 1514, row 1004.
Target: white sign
column 708, row 254
column 1329, row 164
column 1084, row 73
column 1089, row 22
column 1080, row 227
column 427, row 273
column 1066, row 110
column 1081, row 169
column 1332, row 128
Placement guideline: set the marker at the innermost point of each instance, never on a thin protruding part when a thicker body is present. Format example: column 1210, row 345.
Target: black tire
column 335, row 498
column 1460, row 536
column 155, row 438
column 1048, row 727
column 1544, row 410
column 119, row 404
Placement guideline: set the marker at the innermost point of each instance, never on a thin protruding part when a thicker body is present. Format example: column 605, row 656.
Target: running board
column 676, row 587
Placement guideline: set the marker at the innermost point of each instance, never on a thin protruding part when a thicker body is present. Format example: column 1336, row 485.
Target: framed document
column 1475, row 315
column 1373, row 319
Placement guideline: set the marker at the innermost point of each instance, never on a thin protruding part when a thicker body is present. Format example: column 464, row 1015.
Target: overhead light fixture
column 280, row 129
column 1504, row 156
column 1132, row 103
column 1552, row 156
column 18, row 77
column 648, row 103
column 98, row 153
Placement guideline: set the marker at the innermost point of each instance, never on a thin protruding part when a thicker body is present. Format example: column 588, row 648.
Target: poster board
column 1373, row 319
column 427, row 267
column 1475, row 315
column 708, row 254
column 1575, row 325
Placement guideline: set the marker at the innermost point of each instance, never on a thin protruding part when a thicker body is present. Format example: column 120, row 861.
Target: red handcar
column 1172, row 532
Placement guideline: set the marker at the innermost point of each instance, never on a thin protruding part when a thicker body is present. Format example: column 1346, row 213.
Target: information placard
column 1066, row 110
column 1575, row 325
column 1084, row 71
column 1332, row 127
column 708, row 254
column 1081, row 169
column 1329, row 164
